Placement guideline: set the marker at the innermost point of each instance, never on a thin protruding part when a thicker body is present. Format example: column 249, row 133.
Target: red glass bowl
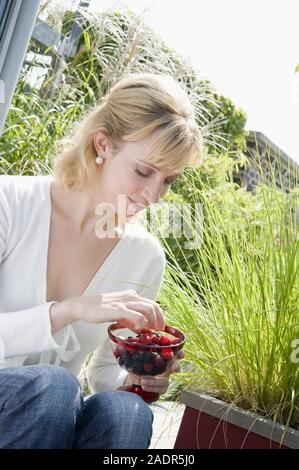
column 144, row 359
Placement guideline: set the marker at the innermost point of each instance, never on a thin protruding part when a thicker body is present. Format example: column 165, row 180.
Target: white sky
column 248, row 49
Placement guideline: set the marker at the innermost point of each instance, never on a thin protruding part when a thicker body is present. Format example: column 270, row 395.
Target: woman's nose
column 152, row 195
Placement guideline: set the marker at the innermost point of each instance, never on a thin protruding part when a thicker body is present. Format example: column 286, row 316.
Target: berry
column 158, row 370
column 159, row 362
column 145, row 331
column 138, row 358
column 165, row 341
column 167, row 354
column 148, row 367
column 118, row 351
column 125, row 360
column 145, row 338
column 150, row 359
column 138, row 369
column 156, row 339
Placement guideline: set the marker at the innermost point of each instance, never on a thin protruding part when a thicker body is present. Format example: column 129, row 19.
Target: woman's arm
column 103, row 372
column 61, row 314
column 31, row 330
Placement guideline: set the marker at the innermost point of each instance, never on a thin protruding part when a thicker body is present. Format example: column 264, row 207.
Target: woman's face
column 129, row 175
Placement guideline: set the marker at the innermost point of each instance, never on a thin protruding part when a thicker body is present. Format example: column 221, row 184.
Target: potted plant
column 239, row 311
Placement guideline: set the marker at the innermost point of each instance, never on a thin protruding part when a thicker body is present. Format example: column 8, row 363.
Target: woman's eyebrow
column 156, row 168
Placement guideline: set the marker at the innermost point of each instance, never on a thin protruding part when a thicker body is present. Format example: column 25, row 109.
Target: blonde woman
column 64, row 278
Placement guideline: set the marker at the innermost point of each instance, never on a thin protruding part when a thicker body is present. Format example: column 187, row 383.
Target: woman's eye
column 140, row 173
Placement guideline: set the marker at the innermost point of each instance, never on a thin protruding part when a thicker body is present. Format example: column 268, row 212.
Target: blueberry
column 125, row 360
column 138, row 369
column 158, row 370
column 139, row 357
column 150, row 357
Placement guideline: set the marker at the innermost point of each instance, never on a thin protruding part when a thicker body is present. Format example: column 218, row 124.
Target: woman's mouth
column 135, row 206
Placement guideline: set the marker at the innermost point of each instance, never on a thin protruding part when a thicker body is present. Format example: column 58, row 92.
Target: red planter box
column 209, row 423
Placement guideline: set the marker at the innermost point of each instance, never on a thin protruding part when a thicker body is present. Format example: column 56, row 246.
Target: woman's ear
column 101, row 142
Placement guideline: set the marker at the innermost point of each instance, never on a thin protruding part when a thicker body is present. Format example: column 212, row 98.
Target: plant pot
column 210, row 423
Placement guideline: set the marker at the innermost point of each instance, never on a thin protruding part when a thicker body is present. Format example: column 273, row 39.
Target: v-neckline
column 104, row 266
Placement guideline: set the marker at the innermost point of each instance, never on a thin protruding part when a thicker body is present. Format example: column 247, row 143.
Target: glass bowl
column 146, row 353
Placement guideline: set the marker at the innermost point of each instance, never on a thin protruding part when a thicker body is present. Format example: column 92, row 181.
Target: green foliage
column 111, row 44
column 239, row 307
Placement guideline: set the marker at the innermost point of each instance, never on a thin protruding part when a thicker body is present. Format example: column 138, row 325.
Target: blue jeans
column 42, row 407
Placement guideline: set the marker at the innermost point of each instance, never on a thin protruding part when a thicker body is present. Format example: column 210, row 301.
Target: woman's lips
column 135, row 206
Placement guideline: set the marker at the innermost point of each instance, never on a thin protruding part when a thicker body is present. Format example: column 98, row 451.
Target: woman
column 65, row 272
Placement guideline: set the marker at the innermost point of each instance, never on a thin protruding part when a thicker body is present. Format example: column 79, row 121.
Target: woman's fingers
column 180, row 354
column 152, row 384
column 133, row 296
column 149, row 311
column 158, row 311
column 131, row 319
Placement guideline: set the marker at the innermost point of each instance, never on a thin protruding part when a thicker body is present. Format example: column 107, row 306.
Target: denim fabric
column 42, row 407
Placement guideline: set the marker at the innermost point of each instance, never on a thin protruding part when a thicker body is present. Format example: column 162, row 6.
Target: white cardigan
column 25, row 330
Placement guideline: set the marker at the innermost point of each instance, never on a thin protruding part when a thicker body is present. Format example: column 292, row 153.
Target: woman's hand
column 126, row 307
column 160, row 383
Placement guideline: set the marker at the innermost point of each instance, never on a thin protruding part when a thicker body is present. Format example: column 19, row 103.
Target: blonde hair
column 137, row 106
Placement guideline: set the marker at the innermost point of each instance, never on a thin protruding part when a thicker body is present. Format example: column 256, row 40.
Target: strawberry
column 145, row 338
column 155, row 340
column 165, row 341
column 167, row 354
column 131, row 349
column 145, row 331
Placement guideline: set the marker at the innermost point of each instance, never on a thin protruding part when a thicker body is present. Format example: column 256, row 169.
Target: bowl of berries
column 148, row 352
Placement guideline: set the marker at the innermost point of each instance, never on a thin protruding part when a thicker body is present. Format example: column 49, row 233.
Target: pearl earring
column 99, row 159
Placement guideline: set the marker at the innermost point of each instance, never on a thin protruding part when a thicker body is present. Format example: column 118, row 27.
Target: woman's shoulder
column 22, row 196
column 14, row 187
column 22, row 182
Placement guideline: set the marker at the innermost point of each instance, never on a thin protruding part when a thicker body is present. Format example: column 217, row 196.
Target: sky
column 248, row 49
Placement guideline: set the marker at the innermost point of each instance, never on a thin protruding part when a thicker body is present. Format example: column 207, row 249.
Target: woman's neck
column 77, row 207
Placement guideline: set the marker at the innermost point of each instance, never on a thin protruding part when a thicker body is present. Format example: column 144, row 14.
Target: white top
column 25, row 329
